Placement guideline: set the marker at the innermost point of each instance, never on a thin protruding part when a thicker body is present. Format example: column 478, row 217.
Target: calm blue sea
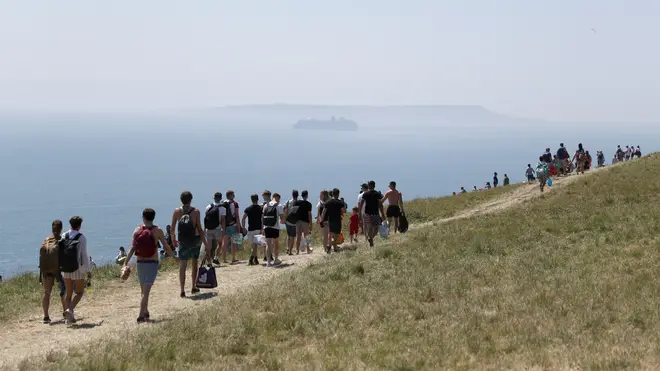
column 107, row 168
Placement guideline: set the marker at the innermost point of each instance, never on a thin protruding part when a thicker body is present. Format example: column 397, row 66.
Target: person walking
column 395, row 204
column 253, row 215
column 273, row 217
column 146, row 238
column 186, row 220
column 49, row 270
column 291, row 219
column 371, row 200
column 233, row 227
column 304, row 222
column 496, row 181
column 75, row 265
column 214, row 225
column 322, row 219
column 334, row 210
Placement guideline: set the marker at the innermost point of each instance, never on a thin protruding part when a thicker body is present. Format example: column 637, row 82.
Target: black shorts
column 272, row 233
column 291, row 230
column 334, row 227
column 393, row 211
column 56, row 278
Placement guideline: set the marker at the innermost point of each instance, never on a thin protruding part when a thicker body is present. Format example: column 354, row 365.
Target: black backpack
column 68, row 253
column 293, row 208
column 270, row 215
column 186, row 225
column 230, row 219
column 212, row 217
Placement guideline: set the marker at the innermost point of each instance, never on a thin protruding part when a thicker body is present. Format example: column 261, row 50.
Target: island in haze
column 340, row 124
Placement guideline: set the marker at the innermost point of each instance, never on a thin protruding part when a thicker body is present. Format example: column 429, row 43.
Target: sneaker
column 310, row 250
column 277, row 262
column 251, row 262
column 216, row 261
column 195, row 290
column 327, row 249
column 70, row 319
column 256, row 261
column 46, row 320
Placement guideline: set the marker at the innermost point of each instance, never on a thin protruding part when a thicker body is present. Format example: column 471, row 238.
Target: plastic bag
column 259, row 240
column 384, row 230
column 308, row 240
column 403, row 224
column 237, row 239
column 549, row 182
column 340, row 239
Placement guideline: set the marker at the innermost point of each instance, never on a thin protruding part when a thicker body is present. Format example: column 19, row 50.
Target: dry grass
column 567, row 281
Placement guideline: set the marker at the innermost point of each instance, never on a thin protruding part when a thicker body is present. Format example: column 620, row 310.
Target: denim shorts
column 231, row 230
column 147, row 270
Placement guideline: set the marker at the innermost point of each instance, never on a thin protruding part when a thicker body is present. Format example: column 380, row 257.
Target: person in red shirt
column 355, row 225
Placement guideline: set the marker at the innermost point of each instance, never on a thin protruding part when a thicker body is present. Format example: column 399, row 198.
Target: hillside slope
column 567, row 280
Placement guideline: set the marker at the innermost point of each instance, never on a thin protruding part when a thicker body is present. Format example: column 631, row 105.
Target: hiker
column 232, row 229
column 145, row 247
column 304, row 223
column 487, row 186
column 600, row 158
column 363, row 188
column 354, row 226
column 191, row 235
column 506, row 180
column 214, row 226
column 273, row 217
column 75, row 265
column 530, row 174
column 121, row 256
column 322, row 219
column 547, row 156
column 334, row 210
column 564, row 158
column 620, row 155
column 580, row 159
column 638, row 152
column 168, row 237
column 371, row 201
column 291, row 218
column 395, row 204
column 495, row 180
column 587, row 161
column 627, row 153
column 463, row 191
column 253, row 215
column 49, row 269
column 542, row 172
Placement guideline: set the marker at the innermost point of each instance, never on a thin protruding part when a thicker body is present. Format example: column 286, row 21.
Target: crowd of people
column 208, row 238
column 561, row 164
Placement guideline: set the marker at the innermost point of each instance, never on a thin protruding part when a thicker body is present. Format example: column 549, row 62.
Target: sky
column 537, row 59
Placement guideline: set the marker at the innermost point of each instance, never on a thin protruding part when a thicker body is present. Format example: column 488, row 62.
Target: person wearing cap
column 214, row 225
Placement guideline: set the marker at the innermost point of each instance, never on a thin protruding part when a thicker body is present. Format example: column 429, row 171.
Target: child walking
column 355, row 225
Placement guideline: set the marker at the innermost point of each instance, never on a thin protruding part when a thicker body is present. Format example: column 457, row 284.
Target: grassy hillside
column 569, row 280
column 565, row 281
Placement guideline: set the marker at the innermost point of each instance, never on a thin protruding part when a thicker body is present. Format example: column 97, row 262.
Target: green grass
column 570, row 280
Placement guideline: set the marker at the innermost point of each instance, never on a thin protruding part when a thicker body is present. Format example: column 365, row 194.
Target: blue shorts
column 147, row 270
column 231, row 230
column 190, row 250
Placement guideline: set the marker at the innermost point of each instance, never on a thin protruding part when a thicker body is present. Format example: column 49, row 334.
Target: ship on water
column 337, row 124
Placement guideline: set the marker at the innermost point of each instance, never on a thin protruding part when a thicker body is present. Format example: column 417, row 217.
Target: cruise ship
column 338, row 124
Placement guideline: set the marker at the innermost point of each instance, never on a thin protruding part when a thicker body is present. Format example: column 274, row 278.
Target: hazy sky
column 524, row 57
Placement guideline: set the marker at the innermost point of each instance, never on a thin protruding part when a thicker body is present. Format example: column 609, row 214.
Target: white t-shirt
column 360, row 199
column 280, row 212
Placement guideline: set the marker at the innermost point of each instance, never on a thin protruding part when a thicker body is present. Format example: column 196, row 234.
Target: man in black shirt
column 253, row 214
column 304, row 223
column 334, row 210
column 373, row 211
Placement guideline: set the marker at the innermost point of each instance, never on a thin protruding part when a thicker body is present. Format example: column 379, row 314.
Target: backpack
column 270, row 215
column 144, row 242
column 230, row 218
column 49, row 261
column 212, row 217
column 292, row 208
column 68, row 253
column 186, row 225
column 562, row 153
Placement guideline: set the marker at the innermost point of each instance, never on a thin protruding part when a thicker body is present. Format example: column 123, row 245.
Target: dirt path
column 112, row 312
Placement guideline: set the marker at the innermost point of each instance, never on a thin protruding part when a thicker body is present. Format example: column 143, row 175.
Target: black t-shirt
column 254, row 213
column 333, row 212
column 371, row 202
column 304, row 208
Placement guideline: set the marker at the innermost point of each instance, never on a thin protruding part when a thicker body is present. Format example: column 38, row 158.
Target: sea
column 108, row 167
